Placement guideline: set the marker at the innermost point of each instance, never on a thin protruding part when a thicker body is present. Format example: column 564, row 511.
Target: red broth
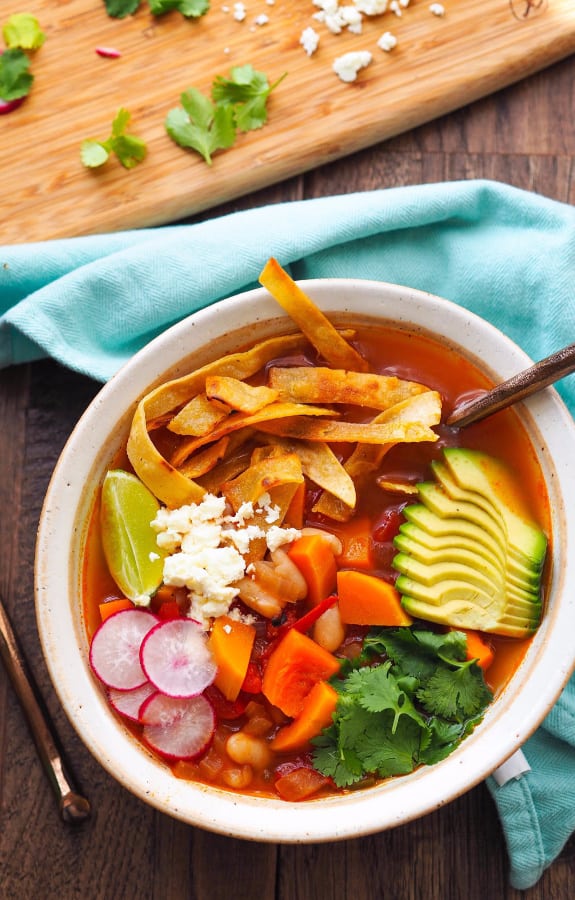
column 409, row 356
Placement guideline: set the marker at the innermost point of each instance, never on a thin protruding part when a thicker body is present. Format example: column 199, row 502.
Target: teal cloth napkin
column 506, row 254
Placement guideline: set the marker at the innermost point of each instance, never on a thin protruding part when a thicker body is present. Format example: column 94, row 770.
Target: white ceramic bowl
column 208, row 334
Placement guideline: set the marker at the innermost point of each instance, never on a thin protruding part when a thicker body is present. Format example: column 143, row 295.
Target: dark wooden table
column 525, row 136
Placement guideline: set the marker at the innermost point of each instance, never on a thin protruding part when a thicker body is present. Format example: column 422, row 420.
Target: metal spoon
column 74, row 808
column 520, row 386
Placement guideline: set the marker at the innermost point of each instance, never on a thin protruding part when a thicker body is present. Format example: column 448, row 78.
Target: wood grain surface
column 523, row 135
column 439, row 64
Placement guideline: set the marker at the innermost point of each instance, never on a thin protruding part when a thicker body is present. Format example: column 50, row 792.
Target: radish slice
column 115, row 648
column 7, row 106
column 176, row 658
column 129, row 703
column 178, row 727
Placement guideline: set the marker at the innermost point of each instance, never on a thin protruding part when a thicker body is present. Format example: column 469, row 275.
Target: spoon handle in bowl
column 520, row 386
column 73, row 807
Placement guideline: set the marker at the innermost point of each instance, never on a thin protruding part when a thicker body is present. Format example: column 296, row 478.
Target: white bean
column 329, row 630
column 240, row 778
column 246, row 749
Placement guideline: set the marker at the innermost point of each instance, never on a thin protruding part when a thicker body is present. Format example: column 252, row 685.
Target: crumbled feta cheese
column 238, row 616
column 241, row 537
column 262, row 19
column 239, row 12
column 153, row 556
column 272, row 514
column 276, row 536
column 394, row 7
column 206, row 548
column 347, row 66
column 387, row 41
column 309, row 40
column 437, row 9
column 371, row 7
column 141, row 600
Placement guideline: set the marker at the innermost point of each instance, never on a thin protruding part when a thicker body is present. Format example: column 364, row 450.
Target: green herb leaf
column 119, row 9
column 200, row 125
column 414, row 707
column 93, row 154
column 247, row 90
column 377, row 690
column 15, row 79
column 22, row 30
column 129, row 149
column 191, row 9
column 455, row 695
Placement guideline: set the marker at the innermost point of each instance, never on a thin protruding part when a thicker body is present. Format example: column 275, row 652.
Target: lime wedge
column 135, row 562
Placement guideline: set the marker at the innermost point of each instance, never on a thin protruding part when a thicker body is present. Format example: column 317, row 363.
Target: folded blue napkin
column 506, row 254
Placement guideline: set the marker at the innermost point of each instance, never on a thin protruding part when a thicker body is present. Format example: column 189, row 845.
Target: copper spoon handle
column 74, row 808
column 520, row 386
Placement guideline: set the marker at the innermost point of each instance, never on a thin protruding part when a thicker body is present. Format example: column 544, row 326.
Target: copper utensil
column 73, row 807
column 520, row 386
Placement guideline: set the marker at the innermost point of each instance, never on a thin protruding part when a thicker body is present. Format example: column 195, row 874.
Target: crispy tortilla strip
column 366, row 458
column 199, row 416
column 346, row 432
column 302, row 384
column 229, row 468
column 163, row 479
column 320, row 464
column 238, row 395
column 396, row 487
column 203, row 462
column 261, row 477
column 241, row 420
column 313, row 323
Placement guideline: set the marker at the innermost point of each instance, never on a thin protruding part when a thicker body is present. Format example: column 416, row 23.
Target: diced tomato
column 386, row 528
column 169, row 610
column 301, row 783
column 225, row 709
column 252, row 683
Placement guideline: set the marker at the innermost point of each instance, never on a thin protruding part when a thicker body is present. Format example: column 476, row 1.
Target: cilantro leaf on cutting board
column 15, row 77
column 201, row 125
column 129, row 149
column 238, row 102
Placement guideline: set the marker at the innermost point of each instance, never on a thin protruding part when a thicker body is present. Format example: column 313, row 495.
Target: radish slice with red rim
column 129, row 703
column 176, row 658
column 178, row 727
column 115, row 649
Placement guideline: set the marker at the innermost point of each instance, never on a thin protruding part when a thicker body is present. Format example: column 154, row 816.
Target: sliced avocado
column 465, row 606
column 487, row 476
column 455, row 550
column 470, row 556
column 432, row 528
column 436, row 533
column 429, row 574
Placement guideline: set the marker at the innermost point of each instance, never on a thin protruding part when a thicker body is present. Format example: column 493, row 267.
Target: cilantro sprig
column 15, row 76
column 238, row 103
column 21, row 32
column 129, row 149
column 413, row 708
column 190, row 9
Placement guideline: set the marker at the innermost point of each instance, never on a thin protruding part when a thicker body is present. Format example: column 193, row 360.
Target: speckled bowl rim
column 511, row 719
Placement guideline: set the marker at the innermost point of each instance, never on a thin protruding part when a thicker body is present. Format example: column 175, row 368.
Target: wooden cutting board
column 439, row 64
